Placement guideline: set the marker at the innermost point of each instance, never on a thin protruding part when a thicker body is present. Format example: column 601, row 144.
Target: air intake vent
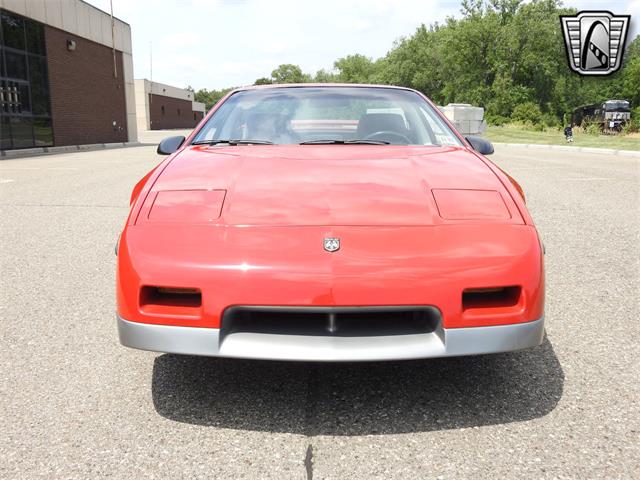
column 178, row 302
column 490, row 297
column 331, row 321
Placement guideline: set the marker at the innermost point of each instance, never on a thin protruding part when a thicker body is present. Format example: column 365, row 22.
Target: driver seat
column 378, row 122
column 272, row 127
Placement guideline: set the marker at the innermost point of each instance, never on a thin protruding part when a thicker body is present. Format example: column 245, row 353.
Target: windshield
column 294, row 115
column 616, row 105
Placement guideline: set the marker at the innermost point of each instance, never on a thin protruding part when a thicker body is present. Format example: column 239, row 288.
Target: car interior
column 283, row 117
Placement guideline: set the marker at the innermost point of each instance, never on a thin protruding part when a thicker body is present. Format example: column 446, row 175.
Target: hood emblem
column 331, row 244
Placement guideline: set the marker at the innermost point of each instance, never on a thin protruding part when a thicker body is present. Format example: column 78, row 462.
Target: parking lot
column 75, row 404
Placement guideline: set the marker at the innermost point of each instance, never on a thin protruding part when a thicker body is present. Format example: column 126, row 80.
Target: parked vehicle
column 329, row 223
column 610, row 115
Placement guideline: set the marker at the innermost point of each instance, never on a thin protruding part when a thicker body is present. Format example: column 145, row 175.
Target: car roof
column 317, row 85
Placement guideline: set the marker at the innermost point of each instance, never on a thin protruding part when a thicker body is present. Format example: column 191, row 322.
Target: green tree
column 630, row 75
column 418, row 62
column 527, row 112
column 355, row 69
column 288, row 73
column 505, row 96
column 263, row 81
column 325, row 76
column 210, row 97
column 505, row 55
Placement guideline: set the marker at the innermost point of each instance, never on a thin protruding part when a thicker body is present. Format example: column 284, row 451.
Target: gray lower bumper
column 442, row 343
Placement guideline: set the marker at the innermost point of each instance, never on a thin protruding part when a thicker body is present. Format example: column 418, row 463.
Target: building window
column 194, row 116
column 25, row 107
column 162, row 109
column 178, row 112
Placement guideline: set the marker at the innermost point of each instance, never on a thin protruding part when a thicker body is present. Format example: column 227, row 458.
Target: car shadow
column 358, row 398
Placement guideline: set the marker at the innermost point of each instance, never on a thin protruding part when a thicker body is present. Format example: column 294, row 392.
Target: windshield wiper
column 232, row 142
column 345, row 142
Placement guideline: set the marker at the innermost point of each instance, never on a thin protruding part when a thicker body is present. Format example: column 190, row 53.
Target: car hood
column 331, row 184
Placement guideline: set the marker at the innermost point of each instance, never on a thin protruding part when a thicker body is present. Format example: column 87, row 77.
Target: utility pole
column 150, row 81
column 113, row 42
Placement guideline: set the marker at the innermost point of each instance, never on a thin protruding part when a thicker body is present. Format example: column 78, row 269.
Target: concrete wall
column 88, row 22
column 165, row 90
column 198, row 107
column 151, row 97
column 468, row 120
column 142, row 106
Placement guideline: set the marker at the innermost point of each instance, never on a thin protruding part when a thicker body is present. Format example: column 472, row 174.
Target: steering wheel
column 389, row 135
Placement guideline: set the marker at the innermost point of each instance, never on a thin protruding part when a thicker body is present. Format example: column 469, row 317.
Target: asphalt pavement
column 75, row 404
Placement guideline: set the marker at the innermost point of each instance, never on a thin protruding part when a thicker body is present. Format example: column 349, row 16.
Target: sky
column 215, row 44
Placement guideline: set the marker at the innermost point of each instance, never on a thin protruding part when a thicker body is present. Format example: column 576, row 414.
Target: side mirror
column 480, row 145
column 170, row 145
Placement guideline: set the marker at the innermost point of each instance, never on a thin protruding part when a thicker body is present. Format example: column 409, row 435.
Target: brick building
column 160, row 106
column 66, row 75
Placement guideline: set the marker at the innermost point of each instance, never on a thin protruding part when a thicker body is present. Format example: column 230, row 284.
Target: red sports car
column 328, row 223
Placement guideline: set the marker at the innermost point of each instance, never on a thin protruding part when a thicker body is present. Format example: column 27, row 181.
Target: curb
column 36, row 152
column 567, row 148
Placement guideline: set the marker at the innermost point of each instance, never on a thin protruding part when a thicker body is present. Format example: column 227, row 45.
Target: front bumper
column 444, row 342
